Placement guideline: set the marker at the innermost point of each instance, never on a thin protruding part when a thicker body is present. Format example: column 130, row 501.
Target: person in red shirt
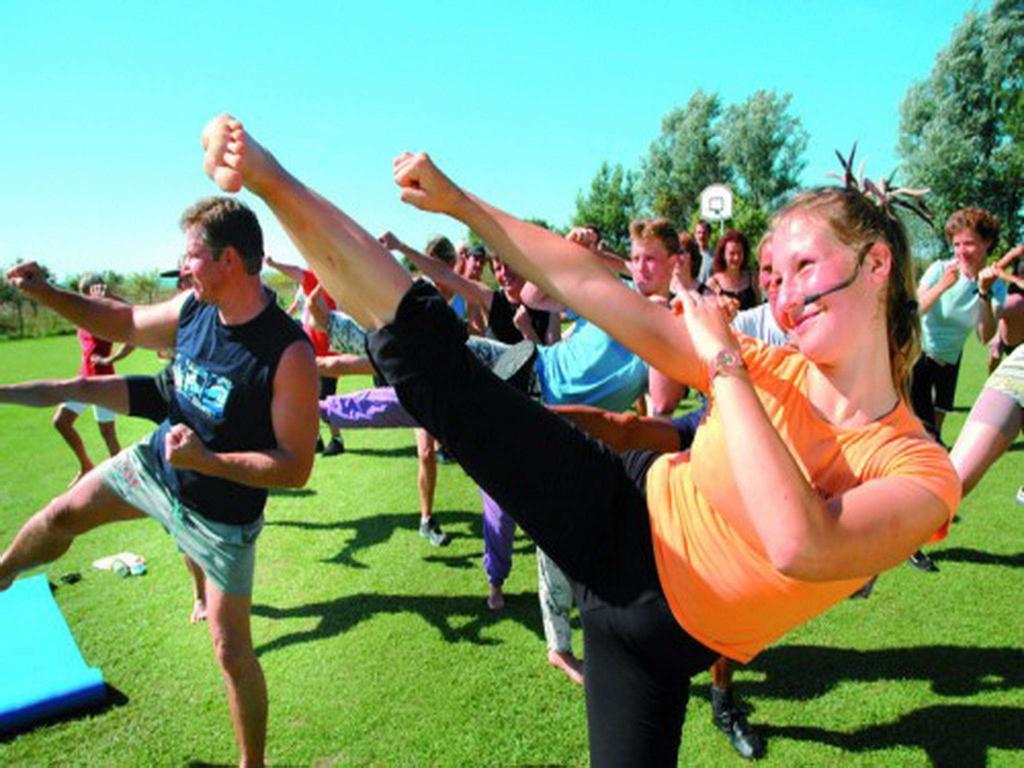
column 321, row 345
column 97, row 360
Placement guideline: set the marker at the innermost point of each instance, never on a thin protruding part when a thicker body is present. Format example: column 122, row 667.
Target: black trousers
column 581, row 502
column 932, row 387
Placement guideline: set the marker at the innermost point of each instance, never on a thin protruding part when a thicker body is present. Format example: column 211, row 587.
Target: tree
column 684, row 159
column 957, row 126
column 610, row 206
column 763, row 145
column 143, row 285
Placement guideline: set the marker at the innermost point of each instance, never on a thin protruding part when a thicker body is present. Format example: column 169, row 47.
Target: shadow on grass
column 402, row 450
column 377, row 529
column 966, row 555
column 802, row 672
column 951, row 734
column 472, row 559
column 298, row 492
column 458, row 619
column 113, row 700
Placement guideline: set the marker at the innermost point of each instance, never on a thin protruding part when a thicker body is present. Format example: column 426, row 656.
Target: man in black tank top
column 243, row 419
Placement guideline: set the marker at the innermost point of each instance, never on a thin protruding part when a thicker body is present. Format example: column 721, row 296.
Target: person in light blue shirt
column 955, row 296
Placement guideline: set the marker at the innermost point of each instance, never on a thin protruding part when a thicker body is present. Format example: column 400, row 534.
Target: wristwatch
column 725, row 362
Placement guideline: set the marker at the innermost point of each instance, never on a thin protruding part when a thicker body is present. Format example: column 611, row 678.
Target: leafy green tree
column 957, row 126
column 610, row 205
column 142, row 286
column 763, row 144
column 684, row 159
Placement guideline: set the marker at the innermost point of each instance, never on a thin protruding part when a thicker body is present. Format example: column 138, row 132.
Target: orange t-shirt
column 723, row 590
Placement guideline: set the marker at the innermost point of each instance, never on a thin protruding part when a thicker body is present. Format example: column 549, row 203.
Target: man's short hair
column 224, row 221
column 477, row 252
column 660, row 229
column 441, row 248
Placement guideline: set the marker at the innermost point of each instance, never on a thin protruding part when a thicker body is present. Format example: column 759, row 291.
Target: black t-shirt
column 500, row 320
column 223, row 387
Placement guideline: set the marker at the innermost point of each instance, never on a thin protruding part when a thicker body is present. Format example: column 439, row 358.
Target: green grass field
column 378, row 649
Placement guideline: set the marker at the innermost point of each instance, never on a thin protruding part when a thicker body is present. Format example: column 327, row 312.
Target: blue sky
column 103, row 101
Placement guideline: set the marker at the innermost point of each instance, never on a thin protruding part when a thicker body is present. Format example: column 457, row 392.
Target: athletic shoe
column 319, row 444
column 731, row 719
column 922, row 562
column 431, row 531
column 1020, row 495
column 336, row 447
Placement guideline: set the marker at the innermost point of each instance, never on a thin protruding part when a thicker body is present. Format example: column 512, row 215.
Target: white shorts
column 103, row 416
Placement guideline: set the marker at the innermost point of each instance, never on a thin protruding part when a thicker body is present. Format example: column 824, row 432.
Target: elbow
column 789, row 557
column 298, row 471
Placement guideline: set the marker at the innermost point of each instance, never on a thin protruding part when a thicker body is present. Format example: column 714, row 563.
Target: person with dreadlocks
column 680, row 558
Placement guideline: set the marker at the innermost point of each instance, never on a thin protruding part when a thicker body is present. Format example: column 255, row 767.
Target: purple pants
column 377, row 407
column 499, row 530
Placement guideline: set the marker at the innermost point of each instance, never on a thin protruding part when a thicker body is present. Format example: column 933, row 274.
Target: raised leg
column 49, row 533
column 991, row 427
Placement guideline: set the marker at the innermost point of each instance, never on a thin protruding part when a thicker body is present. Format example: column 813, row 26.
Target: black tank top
column 500, row 320
column 223, row 387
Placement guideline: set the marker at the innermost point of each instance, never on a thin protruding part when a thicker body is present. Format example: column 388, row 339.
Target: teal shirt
column 946, row 326
column 590, row 368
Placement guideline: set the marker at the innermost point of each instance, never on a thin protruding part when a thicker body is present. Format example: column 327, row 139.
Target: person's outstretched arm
column 292, row 271
column 562, row 269
column 143, row 325
column 473, row 291
column 353, row 267
column 109, row 392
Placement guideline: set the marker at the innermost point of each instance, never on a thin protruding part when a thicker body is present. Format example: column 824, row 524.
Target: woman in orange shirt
column 682, row 558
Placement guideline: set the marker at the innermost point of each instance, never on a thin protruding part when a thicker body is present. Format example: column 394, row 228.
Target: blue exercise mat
column 42, row 672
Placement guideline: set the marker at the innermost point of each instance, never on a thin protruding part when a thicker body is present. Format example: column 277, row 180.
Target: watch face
column 727, row 358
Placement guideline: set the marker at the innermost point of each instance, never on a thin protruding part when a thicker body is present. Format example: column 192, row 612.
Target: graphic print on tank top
column 206, row 391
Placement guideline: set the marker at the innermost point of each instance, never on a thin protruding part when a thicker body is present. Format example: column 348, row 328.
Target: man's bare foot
column 233, row 158
column 569, row 664
column 495, row 598
column 81, row 473
column 198, row 611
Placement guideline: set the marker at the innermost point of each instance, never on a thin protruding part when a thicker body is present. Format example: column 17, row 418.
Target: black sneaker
column 731, row 720
column 336, row 447
column 319, row 444
column 431, row 531
column 922, row 562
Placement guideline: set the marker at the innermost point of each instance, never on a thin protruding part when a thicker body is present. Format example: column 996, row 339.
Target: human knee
column 234, row 655
column 61, row 516
column 64, row 420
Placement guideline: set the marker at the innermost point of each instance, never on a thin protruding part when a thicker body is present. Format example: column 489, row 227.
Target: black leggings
column 581, row 502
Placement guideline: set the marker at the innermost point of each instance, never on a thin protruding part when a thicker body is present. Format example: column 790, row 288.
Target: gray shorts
column 226, row 553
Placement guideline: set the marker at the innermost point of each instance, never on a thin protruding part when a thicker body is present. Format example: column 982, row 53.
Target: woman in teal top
column 954, row 297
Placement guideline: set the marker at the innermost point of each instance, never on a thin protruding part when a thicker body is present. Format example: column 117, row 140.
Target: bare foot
column 233, row 158
column 81, row 473
column 198, row 611
column 569, row 664
column 495, row 598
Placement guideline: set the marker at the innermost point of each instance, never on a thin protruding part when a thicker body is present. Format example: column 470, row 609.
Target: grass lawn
column 378, row 649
